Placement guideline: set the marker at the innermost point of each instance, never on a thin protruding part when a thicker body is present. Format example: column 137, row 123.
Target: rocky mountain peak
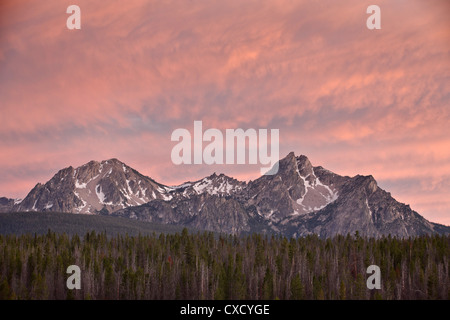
column 214, row 184
column 368, row 182
column 299, row 200
column 95, row 186
column 292, row 165
column 306, row 169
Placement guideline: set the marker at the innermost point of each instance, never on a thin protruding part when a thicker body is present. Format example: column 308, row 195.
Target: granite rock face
column 6, row 204
column 299, row 200
column 96, row 186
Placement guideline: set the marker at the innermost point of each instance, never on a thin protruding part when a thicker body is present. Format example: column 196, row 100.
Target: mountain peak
column 369, row 182
column 290, row 155
column 302, row 159
column 214, row 184
column 95, row 186
column 112, row 161
column 299, row 200
column 305, row 167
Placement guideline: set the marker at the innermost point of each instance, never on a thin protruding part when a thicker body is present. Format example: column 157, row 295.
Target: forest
column 203, row 265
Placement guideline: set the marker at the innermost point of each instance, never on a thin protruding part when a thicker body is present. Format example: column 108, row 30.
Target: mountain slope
column 40, row 222
column 6, row 204
column 362, row 206
column 108, row 185
column 294, row 190
column 299, row 200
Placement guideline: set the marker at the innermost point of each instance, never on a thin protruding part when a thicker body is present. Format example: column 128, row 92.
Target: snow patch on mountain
column 100, row 195
column 79, row 185
column 202, row 185
column 317, row 195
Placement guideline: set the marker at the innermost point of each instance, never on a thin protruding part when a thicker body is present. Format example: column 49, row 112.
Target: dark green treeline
column 204, row 266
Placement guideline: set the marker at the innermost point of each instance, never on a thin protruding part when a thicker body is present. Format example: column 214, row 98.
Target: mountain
column 211, row 203
column 6, row 204
column 296, row 190
column 299, row 200
column 96, row 186
column 302, row 199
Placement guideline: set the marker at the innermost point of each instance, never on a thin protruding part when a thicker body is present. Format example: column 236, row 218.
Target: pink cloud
column 353, row 100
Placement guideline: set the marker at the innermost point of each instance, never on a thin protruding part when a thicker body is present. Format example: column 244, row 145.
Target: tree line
column 207, row 266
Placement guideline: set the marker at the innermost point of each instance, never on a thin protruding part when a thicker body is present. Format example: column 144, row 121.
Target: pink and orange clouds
column 353, row 100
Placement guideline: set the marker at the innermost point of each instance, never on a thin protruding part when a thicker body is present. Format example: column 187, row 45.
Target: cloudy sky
column 355, row 101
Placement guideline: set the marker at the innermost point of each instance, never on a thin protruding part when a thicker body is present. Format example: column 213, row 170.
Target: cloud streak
column 351, row 99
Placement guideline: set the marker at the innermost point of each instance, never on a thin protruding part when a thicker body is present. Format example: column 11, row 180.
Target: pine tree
column 297, row 291
column 5, row 291
column 268, row 285
column 342, row 291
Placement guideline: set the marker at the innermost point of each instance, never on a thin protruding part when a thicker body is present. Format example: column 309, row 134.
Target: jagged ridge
column 300, row 199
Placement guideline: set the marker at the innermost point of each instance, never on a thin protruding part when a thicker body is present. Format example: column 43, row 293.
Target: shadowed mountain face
column 296, row 190
column 108, row 185
column 299, row 200
column 6, row 204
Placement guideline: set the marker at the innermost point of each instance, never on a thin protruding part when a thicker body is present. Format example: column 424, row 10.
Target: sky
column 353, row 100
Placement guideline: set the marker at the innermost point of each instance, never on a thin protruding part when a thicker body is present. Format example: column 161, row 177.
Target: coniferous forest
column 207, row 266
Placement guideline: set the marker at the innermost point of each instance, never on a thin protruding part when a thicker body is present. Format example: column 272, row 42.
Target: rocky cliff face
column 361, row 206
column 299, row 200
column 296, row 190
column 6, row 204
column 96, row 186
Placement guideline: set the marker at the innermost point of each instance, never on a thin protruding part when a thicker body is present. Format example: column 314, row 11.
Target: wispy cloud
column 353, row 100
